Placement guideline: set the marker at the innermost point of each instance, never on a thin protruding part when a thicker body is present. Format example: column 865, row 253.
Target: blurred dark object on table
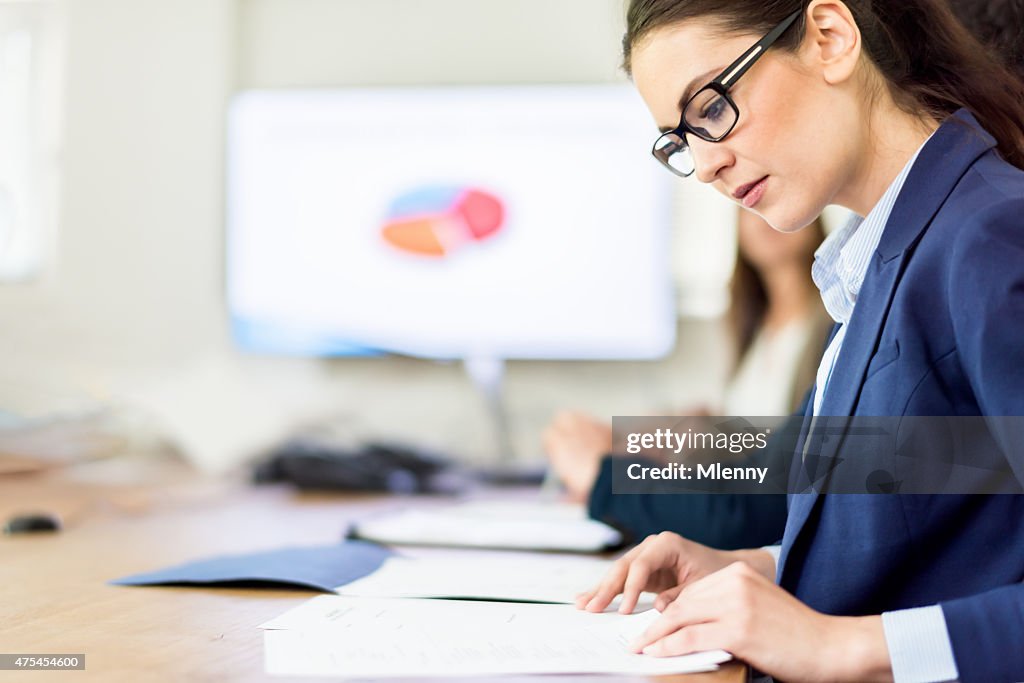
column 313, row 464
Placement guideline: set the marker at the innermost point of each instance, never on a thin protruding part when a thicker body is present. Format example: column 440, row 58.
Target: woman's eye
column 714, row 110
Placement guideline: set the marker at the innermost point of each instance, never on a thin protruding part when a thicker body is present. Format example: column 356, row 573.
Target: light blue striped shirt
column 918, row 641
column 840, row 265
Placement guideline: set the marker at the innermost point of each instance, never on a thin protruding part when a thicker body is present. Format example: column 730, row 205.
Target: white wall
column 131, row 307
column 374, row 42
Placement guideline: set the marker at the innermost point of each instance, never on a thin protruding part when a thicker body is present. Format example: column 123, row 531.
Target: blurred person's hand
column 575, row 444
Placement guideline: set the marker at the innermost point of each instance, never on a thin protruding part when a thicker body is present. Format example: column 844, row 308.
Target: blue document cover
column 321, row 568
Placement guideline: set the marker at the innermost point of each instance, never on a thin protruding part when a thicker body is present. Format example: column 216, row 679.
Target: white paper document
column 369, row 637
column 482, row 576
column 517, row 525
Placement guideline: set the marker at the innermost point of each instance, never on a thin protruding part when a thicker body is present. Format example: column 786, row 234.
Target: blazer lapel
column 941, row 164
column 945, row 158
column 799, row 501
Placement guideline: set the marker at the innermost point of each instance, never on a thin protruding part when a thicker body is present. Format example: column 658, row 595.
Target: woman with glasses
column 891, row 109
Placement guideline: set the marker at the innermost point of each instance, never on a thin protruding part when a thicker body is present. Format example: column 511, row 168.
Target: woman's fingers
column 611, row 586
column 686, row 611
column 633, row 573
column 636, row 581
column 726, row 599
column 694, row 638
column 670, row 621
column 665, row 598
column 583, row 598
column 615, row 581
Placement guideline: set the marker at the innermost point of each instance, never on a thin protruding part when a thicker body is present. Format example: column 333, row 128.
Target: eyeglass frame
column 721, row 84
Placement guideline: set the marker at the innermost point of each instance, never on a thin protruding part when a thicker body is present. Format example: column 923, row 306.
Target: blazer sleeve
column 987, row 306
column 986, row 298
column 986, row 632
column 720, row 520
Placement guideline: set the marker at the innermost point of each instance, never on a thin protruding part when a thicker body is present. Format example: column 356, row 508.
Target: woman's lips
column 749, row 195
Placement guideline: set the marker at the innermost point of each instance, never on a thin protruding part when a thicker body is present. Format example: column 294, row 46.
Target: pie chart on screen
column 438, row 220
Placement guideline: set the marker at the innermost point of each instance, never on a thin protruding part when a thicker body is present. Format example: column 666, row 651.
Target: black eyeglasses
column 711, row 114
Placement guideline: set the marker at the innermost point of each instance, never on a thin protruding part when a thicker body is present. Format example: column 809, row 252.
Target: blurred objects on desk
column 42, row 428
column 318, row 463
column 33, row 444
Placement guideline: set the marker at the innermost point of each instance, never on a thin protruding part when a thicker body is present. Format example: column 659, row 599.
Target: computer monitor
column 455, row 222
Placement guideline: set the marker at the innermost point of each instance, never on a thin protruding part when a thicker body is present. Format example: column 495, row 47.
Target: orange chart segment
column 416, row 236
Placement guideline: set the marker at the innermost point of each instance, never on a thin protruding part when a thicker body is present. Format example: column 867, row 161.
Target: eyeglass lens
column 673, row 152
column 710, row 116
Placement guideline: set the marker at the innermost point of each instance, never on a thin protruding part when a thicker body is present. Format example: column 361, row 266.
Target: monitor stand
column 487, row 373
column 488, row 376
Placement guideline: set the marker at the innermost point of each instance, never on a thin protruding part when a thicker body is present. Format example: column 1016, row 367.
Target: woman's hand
column 663, row 564
column 740, row 610
column 575, row 444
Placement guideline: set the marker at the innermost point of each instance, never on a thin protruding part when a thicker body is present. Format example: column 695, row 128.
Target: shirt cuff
column 919, row 645
column 775, row 551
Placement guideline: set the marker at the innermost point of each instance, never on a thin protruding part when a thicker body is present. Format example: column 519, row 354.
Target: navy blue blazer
column 938, row 329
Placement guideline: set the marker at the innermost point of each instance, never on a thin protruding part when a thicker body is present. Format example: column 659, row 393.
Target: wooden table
column 54, row 596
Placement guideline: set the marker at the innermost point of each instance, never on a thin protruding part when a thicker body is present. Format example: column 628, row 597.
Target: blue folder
column 321, row 568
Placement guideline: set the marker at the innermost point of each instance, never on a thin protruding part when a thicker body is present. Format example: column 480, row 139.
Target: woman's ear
column 832, row 40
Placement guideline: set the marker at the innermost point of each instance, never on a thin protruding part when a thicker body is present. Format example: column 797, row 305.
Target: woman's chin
column 787, row 221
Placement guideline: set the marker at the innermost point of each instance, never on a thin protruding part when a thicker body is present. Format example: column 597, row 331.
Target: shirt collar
column 841, row 262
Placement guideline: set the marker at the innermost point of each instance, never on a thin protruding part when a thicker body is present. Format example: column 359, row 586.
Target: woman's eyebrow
column 703, row 79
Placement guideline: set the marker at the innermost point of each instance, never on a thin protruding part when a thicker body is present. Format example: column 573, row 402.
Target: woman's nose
column 709, row 158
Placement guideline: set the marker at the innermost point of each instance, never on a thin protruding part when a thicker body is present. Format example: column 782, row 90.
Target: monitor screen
column 492, row 222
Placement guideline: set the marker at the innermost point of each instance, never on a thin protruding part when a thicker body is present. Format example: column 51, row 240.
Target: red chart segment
column 435, row 221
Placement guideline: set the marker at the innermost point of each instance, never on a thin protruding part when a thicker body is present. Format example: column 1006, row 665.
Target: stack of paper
column 380, row 625
column 372, row 637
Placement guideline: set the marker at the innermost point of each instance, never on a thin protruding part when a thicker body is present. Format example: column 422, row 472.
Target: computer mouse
column 32, row 522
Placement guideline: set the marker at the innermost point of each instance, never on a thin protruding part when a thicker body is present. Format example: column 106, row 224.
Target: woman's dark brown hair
column 932, row 65
column 748, row 295
column 999, row 25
